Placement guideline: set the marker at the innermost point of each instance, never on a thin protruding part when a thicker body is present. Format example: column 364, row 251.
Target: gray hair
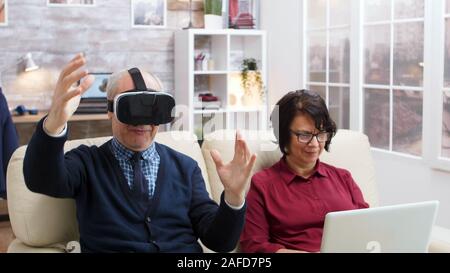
column 151, row 81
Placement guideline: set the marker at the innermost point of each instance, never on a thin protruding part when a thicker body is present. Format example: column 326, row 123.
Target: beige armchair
column 44, row 224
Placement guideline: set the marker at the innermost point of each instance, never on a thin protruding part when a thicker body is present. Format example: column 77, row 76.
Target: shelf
column 238, row 72
column 227, row 48
column 247, row 32
column 245, row 110
column 213, row 47
column 77, row 117
column 229, row 110
column 80, row 126
column 210, row 72
column 209, row 111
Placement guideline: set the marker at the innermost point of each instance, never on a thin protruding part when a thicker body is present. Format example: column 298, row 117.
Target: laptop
column 400, row 228
column 94, row 100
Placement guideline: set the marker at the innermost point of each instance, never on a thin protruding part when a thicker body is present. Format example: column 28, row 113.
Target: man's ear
column 110, row 115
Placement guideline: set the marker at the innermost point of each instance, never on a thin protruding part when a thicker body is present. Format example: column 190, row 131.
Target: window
column 393, row 47
column 445, row 145
column 446, row 126
column 402, row 104
column 328, row 55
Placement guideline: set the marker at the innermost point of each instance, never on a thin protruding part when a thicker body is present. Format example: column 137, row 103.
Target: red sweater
column 288, row 211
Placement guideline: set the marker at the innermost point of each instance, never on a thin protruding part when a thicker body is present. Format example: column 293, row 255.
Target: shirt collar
column 122, row 152
column 288, row 175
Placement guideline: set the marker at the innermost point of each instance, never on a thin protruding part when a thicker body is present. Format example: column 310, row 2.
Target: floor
column 6, row 234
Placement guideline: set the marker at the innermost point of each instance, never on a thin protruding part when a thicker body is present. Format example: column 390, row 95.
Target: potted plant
column 213, row 14
column 252, row 83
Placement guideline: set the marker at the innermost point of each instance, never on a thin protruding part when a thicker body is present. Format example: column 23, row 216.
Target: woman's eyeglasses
column 305, row 137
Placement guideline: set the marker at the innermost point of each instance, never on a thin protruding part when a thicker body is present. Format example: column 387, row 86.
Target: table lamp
column 27, row 63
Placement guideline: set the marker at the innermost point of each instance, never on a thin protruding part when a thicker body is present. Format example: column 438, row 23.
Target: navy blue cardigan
column 8, row 141
column 110, row 220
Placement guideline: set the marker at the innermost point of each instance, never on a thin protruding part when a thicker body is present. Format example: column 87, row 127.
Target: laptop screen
column 98, row 88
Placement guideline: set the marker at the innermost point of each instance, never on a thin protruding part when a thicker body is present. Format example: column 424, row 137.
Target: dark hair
column 300, row 102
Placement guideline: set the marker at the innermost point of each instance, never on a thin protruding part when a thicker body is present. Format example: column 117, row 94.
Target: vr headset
column 142, row 106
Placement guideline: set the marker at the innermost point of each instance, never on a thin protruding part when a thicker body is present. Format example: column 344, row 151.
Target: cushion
column 349, row 150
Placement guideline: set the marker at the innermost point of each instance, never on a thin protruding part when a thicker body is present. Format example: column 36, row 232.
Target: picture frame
column 243, row 14
column 70, row 3
column 148, row 13
column 3, row 13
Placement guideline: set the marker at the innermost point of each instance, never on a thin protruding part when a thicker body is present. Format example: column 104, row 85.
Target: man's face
column 136, row 138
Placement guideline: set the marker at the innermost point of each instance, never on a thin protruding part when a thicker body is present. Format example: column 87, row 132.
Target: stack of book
column 92, row 106
column 208, row 105
column 207, row 101
column 244, row 21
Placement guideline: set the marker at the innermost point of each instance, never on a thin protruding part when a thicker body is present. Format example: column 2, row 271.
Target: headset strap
column 111, row 106
column 138, row 80
column 139, row 85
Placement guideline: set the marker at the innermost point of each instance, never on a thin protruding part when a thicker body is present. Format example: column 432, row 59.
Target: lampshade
column 25, row 62
column 30, row 65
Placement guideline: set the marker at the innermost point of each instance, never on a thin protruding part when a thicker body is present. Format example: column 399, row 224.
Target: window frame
column 437, row 17
column 433, row 76
column 305, row 32
column 391, row 87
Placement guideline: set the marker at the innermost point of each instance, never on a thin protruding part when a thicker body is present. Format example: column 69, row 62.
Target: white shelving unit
column 226, row 48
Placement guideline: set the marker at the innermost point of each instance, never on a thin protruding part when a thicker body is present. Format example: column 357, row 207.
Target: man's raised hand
column 235, row 175
column 66, row 97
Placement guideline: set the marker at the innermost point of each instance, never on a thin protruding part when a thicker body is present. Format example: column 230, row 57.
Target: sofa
column 45, row 224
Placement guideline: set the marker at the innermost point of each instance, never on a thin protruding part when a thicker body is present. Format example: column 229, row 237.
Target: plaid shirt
column 149, row 164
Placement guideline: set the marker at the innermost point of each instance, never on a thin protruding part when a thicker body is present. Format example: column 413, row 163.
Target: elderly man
column 132, row 194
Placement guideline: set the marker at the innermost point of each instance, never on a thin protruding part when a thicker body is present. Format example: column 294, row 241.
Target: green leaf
column 213, row 7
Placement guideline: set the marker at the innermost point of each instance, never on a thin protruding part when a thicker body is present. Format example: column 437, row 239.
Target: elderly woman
column 287, row 202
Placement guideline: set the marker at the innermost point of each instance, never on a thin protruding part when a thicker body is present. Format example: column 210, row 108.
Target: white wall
column 281, row 21
column 403, row 180
column 399, row 179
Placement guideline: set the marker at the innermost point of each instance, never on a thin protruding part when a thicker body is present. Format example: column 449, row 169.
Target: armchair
column 349, row 150
column 44, row 224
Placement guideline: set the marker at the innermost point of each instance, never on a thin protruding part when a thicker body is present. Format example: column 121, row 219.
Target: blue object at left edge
column 8, row 141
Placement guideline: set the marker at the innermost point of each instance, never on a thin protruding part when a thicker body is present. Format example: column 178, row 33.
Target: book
column 207, row 104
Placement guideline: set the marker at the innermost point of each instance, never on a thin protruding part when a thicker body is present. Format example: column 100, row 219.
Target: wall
column 283, row 47
column 55, row 34
column 403, row 180
column 399, row 179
